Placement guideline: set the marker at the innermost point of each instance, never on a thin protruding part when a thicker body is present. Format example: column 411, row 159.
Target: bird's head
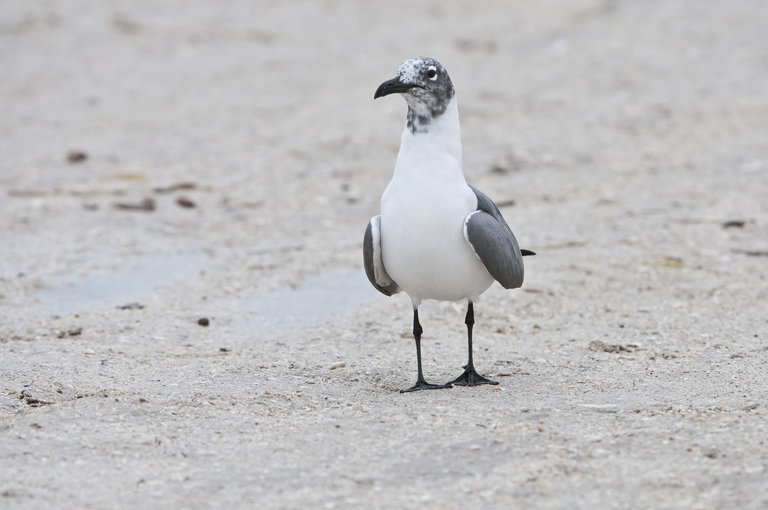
column 425, row 86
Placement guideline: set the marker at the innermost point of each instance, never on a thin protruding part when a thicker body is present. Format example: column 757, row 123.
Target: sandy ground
column 621, row 137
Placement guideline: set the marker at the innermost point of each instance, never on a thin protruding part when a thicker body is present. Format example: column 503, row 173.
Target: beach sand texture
column 167, row 162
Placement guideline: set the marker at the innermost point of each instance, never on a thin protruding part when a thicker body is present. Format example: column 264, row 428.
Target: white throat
column 434, row 142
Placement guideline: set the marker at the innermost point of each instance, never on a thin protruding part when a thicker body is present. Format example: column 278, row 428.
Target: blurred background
column 265, row 112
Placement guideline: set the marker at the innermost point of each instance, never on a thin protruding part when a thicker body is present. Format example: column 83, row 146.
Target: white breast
column 422, row 219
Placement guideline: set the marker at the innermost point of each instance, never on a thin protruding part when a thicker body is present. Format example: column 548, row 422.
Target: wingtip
column 526, row 253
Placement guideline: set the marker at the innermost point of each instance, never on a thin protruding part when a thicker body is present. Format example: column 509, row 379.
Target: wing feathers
column 374, row 267
column 494, row 243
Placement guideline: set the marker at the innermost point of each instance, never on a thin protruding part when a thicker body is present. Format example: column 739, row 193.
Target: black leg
column 421, row 384
column 470, row 377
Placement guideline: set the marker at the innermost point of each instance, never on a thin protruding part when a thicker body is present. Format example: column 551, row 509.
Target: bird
column 436, row 237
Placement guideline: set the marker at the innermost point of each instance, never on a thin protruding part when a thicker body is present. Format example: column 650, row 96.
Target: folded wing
column 374, row 267
column 494, row 243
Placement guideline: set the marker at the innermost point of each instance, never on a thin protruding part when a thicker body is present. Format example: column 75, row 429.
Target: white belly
column 422, row 241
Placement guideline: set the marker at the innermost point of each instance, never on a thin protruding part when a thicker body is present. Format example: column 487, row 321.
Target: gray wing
column 493, row 241
column 374, row 266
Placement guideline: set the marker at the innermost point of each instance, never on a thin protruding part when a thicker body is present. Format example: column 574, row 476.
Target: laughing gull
column 437, row 237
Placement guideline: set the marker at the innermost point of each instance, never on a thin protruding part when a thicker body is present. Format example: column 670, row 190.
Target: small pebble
column 148, row 204
column 734, row 224
column 175, row 187
column 76, row 156
column 185, row 202
column 69, row 332
column 131, row 306
column 203, row 321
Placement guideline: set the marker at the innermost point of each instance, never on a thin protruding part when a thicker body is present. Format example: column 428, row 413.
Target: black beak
column 393, row 86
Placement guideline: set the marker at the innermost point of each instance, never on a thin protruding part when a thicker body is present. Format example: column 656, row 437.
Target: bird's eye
column 432, row 73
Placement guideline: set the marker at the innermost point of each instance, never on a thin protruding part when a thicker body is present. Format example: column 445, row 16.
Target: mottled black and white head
column 426, row 87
